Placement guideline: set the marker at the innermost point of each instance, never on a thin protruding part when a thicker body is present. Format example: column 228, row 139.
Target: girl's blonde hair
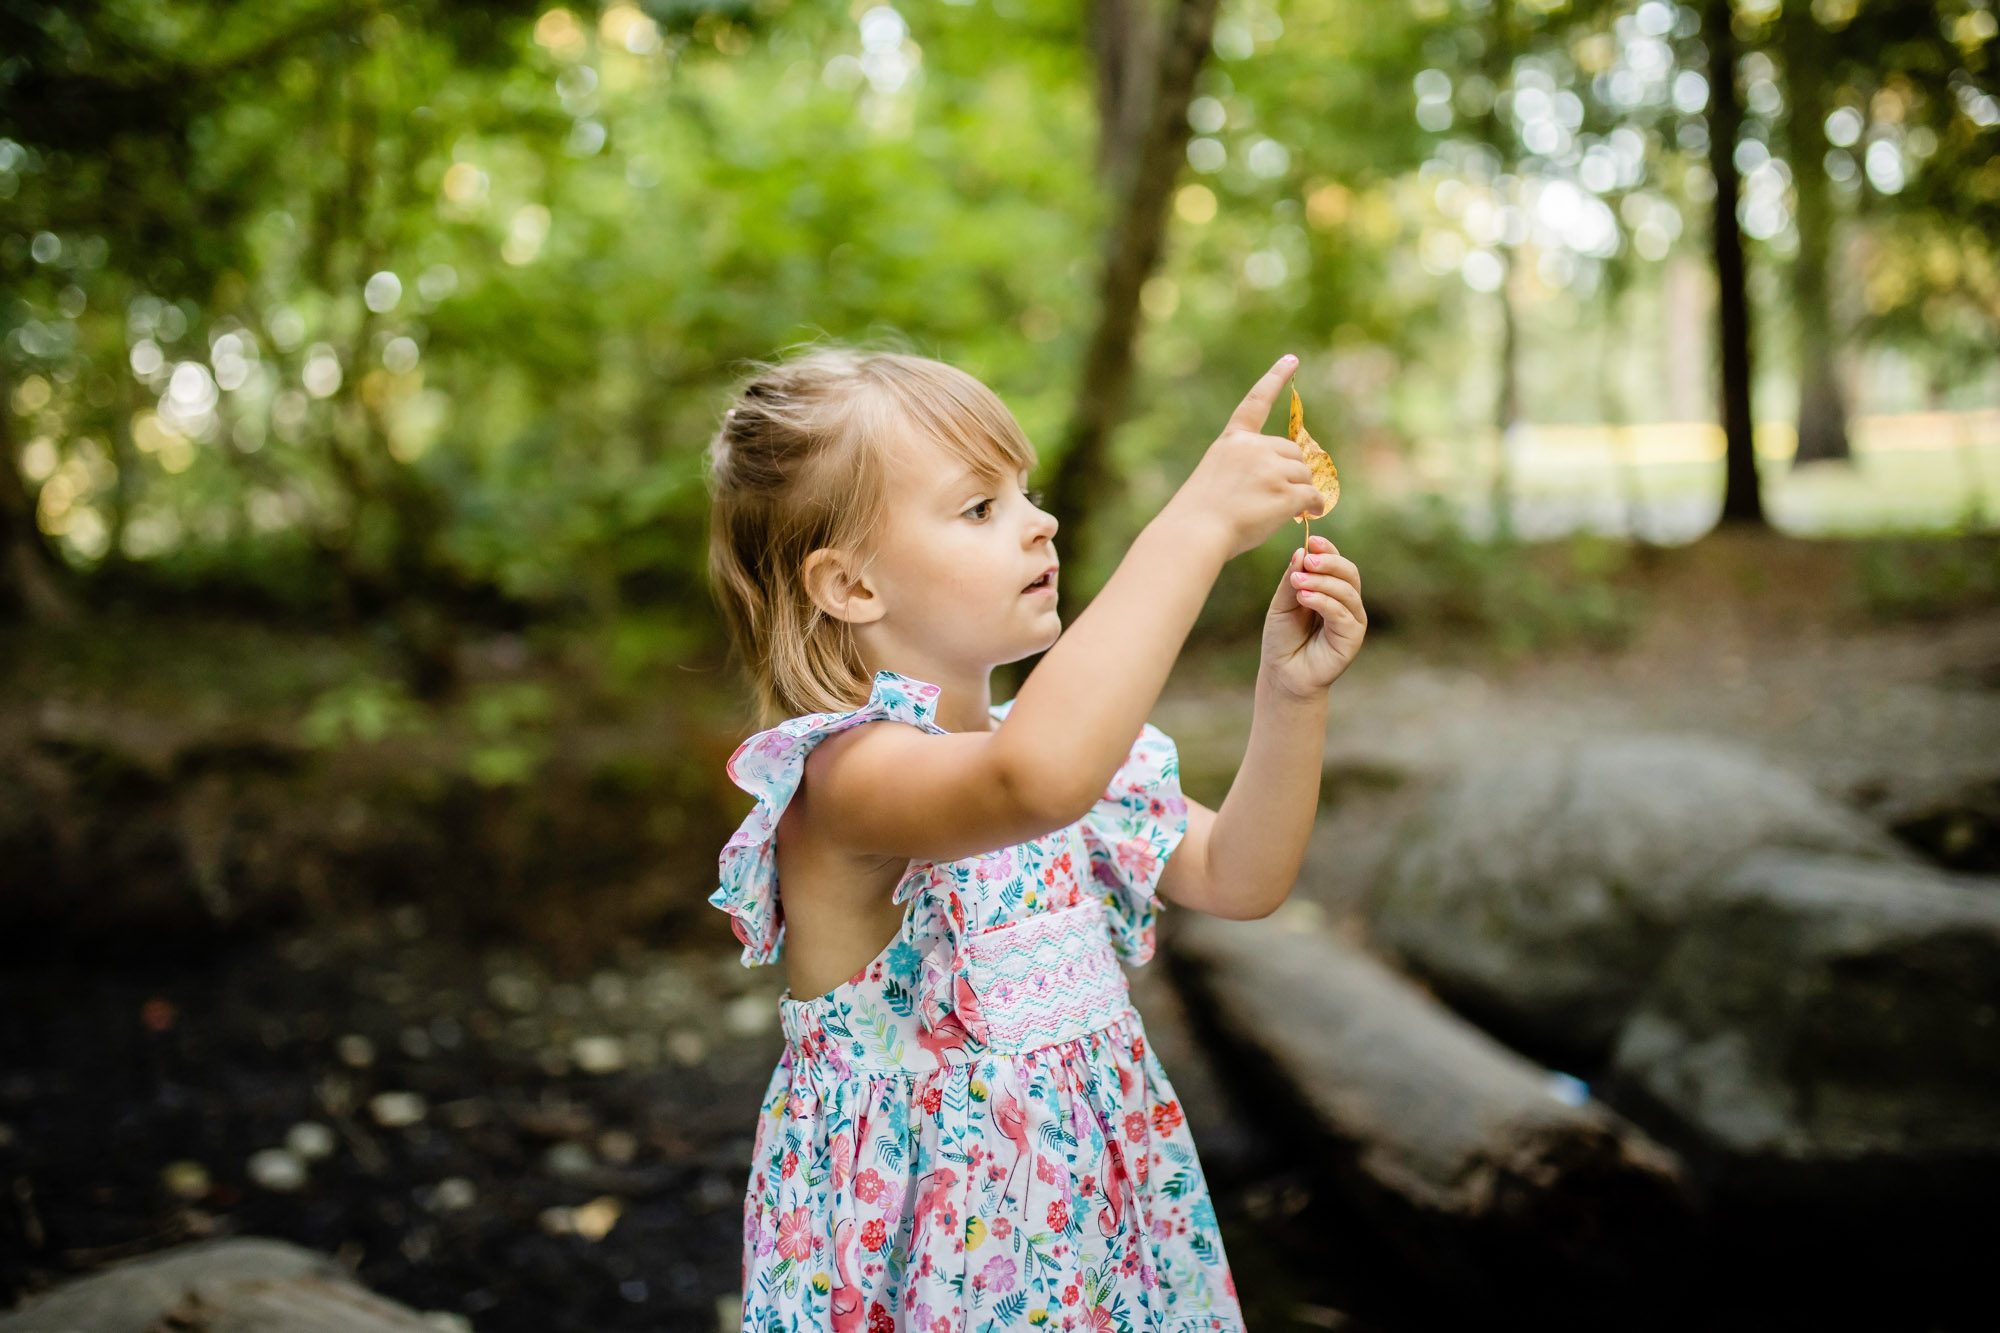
column 798, row 465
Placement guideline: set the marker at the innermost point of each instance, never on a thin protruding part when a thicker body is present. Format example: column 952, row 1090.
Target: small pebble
column 310, row 1140
column 394, row 1110
column 598, row 1054
column 453, row 1194
column 568, row 1159
column 185, row 1180
column 278, row 1169
column 355, row 1050
column 416, row 1043
column 687, row 1048
column 514, row 992
column 594, row 1220
column 748, row 1015
column 617, row 1147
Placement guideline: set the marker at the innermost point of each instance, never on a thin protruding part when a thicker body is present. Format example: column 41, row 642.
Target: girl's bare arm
column 895, row 791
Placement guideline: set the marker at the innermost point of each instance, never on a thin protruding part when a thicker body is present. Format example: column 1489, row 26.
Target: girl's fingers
column 1323, row 591
column 1256, row 405
column 1332, row 563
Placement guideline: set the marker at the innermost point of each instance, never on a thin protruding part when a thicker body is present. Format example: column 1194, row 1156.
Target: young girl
column 967, row 1130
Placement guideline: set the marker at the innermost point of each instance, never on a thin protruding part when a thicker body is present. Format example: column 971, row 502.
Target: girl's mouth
column 1046, row 583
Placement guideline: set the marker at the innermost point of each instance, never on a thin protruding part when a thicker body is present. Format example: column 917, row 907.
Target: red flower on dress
column 1166, row 1118
column 791, row 1164
column 1135, row 1126
column 880, row 1320
column 1135, row 857
column 874, row 1235
column 1001, row 1228
column 1059, row 1216
column 1069, row 1294
column 868, row 1185
column 933, row 1099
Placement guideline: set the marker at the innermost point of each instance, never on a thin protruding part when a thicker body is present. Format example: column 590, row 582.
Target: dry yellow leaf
column 1325, row 477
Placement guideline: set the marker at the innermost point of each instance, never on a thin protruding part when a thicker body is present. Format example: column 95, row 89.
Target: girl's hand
column 1248, row 483
column 1316, row 622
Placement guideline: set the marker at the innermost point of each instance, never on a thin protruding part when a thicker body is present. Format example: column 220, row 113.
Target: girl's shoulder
column 770, row 765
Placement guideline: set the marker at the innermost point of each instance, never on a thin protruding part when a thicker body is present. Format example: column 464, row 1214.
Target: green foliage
column 1917, row 580
column 343, row 310
column 367, row 709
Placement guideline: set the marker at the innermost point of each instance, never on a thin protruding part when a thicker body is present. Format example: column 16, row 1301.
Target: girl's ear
column 840, row 588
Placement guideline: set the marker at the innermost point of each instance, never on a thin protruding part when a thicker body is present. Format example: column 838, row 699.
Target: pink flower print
column 795, row 1234
column 1166, row 1118
column 1059, row 1216
column 1001, row 1228
column 1098, row 1320
column 999, row 1274
column 868, row 1185
column 1135, row 1126
column 791, row 1164
column 1045, row 1171
column 1135, row 858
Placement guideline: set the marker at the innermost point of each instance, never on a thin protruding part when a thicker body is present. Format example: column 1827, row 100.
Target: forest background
column 359, row 360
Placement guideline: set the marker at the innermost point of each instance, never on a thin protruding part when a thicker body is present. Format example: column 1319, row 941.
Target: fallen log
column 1480, row 1169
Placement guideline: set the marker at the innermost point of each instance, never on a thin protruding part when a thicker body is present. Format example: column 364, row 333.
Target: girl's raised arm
column 893, row 791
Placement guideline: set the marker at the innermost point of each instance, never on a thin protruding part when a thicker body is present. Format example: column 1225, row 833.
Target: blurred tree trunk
column 1496, row 63
column 1132, row 246
column 31, row 583
column 1507, row 401
column 1124, row 38
column 1741, row 500
column 1822, row 411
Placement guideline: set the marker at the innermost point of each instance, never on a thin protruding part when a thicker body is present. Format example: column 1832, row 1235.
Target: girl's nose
column 1041, row 523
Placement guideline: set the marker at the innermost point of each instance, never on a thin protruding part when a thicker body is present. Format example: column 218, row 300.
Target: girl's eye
column 981, row 510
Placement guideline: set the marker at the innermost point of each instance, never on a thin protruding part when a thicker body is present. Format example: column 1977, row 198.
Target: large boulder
column 1538, row 891
column 1822, row 1011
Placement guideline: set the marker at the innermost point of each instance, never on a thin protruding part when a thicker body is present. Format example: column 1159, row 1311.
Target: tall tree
column 1131, row 252
column 1822, row 422
column 1742, row 501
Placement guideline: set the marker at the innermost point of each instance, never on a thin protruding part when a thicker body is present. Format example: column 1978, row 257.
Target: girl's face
column 965, row 565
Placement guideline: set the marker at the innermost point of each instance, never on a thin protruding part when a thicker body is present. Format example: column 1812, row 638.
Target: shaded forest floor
column 534, row 1071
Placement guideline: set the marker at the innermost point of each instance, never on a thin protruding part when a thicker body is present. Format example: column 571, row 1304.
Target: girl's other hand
column 1249, row 483
column 1316, row 622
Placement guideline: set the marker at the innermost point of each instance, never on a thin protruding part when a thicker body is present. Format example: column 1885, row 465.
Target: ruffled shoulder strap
column 1129, row 834
column 770, row 766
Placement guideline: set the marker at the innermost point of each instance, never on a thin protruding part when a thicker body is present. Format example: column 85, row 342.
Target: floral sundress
column 971, row 1133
